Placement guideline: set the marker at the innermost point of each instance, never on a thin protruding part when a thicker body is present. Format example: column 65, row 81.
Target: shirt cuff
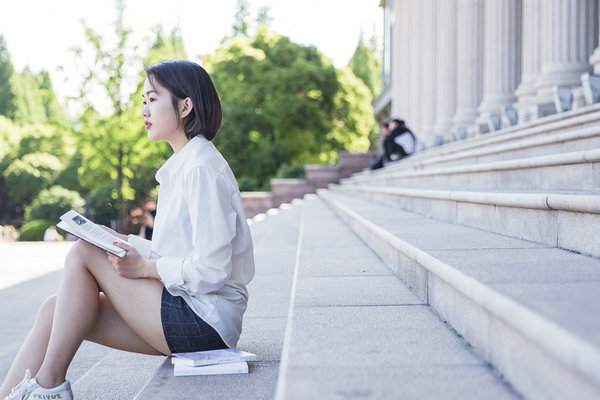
column 170, row 270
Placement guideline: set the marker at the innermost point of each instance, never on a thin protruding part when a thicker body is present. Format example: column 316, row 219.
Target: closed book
column 240, row 367
column 209, row 357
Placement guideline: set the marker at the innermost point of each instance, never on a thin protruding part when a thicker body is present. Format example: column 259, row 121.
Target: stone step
column 522, row 135
column 568, row 221
column 530, row 310
column 118, row 375
column 355, row 331
column 574, row 171
column 275, row 246
column 514, row 145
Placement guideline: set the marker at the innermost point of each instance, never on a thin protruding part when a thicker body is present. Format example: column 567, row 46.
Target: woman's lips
column 148, row 125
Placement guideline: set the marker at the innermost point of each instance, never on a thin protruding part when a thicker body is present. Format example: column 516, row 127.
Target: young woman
column 183, row 291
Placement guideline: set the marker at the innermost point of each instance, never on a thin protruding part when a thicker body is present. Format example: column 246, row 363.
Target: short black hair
column 187, row 79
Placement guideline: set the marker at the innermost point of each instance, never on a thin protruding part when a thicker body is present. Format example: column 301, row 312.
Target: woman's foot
column 28, row 388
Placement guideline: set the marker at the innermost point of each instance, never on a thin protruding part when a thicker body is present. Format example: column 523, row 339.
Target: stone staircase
column 469, row 271
column 500, row 235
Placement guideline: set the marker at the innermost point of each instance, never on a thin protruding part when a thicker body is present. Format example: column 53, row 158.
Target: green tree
column 53, row 111
column 34, row 99
column 365, row 65
column 51, row 203
column 9, row 148
column 282, row 105
column 7, row 105
column 25, row 177
column 110, row 144
column 353, row 122
column 263, row 17
column 240, row 28
column 114, row 148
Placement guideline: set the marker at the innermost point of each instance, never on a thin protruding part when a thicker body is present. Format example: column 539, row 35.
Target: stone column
column 399, row 50
column 531, row 61
column 428, row 70
column 569, row 34
column 413, row 119
column 445, row 80
column 595, row 58
column 469, row 71
column 502, row 57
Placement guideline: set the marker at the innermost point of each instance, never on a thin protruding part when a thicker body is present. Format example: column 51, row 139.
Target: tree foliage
column 365, row 65
column 26, row 176
column 283, row 103
column 7, row 103
column 114, row 147
column 51, row 203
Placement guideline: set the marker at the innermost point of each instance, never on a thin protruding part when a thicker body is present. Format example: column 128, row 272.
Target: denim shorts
column 184, row 330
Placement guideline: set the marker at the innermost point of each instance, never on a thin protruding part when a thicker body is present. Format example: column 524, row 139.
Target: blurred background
column 296, row 78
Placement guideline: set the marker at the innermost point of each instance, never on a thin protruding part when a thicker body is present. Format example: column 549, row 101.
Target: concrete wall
column 317, row 176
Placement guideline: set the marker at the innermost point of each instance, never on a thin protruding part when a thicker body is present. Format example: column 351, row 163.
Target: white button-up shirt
column 202, row 237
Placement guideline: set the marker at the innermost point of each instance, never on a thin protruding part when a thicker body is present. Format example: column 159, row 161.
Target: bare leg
column 126, row 316
column 32, row 353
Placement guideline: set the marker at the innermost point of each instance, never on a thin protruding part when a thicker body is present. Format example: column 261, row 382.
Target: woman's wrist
column 150, row 270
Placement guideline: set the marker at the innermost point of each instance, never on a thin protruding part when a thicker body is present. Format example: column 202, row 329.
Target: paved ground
column 23, row 261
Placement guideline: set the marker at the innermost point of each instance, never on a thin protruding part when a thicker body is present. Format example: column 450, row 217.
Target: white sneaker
column 29, row 389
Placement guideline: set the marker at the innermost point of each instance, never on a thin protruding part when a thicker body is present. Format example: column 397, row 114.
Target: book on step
column 78, row 225
column 239, row 367
column 211, row 357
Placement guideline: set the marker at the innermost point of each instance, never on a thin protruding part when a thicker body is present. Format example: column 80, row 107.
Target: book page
column 80, row 226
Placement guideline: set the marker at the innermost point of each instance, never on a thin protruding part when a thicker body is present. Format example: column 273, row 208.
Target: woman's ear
column 185, row 107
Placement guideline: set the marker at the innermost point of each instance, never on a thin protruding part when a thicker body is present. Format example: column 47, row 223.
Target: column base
column 545, row 109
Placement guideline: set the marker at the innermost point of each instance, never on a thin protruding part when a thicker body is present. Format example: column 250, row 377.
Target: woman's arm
column 207, row 194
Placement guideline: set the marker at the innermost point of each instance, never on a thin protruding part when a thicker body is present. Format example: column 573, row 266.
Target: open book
column 78, row 225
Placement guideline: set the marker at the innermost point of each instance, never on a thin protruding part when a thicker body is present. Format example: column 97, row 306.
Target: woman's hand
column 133, row 265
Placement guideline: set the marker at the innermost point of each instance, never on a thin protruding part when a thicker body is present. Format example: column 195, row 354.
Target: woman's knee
column 80, row 254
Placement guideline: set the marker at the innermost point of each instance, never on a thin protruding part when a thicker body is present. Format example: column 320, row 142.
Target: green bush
column 25, row 177
column 51, row 203
column 290, row 171
column 34, row 230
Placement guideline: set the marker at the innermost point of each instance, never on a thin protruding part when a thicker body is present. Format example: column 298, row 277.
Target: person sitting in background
column 52, row 235
column 400, row 142
column 378, row 162
column 148, row 226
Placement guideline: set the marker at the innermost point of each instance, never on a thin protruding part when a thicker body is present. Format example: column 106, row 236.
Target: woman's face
column 159, row 116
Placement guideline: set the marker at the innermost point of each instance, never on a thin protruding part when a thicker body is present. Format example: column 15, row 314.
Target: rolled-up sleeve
column 212, row 222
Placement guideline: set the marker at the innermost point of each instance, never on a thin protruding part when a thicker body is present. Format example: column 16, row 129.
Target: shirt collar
column 177, row 160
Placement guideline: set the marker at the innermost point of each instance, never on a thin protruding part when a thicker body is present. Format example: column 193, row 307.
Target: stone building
column 454, row 68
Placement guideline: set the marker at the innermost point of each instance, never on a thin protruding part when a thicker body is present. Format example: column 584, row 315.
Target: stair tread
column 550, row 300
column 356, row 330
column 557, row 283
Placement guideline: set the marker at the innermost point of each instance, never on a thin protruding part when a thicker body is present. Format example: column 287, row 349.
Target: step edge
column 575, row 352
column 553, row 160
column 580, row 203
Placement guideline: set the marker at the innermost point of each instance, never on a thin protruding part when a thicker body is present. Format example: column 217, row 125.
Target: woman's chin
column 153, row 138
